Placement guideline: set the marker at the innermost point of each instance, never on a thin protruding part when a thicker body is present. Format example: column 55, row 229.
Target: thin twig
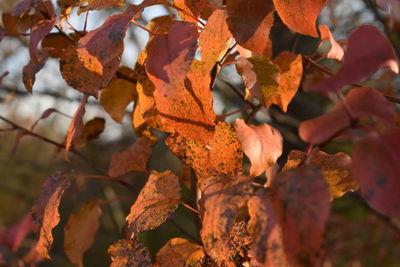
column 144, row 28
column 253, row 112
column 237, row 92
column 105, row 177
column 183, row 231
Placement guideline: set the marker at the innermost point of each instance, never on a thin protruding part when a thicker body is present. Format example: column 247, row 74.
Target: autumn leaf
column 23, row 6
column 129, row 253
column 175, row 252
column 91, row 131
column 100, row 4
column 156, row 201
column 222, row 201
column 376, row 169
column 39, row 31
column 362, row 101
column 301, row 199
column 260, row 76
column 300, row 15
column 80, row 230
column 262, row 144
column 191, row 10
column 335, row 169
column 45, row 210
column 13, row 235
column 75, row 127
column 55, row 43
column 134, row 159
column 29, row 72
column 336, row 51
column 45, row 115
column 250, row 23
column 360, row 61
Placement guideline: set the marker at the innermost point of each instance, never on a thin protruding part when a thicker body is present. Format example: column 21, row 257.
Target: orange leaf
column 196, row 8
column 45, row 210
column 262, row 144
column 175, row 253
column 80, row 230
column 300, row 15
column 377, row 171
column 129, row 253
column 118, row 94
column 221, row 203
column 134, row 159
column 335, row 169
column 250, row 23
column 156, row 201
column 360, row 61
column 336, row 51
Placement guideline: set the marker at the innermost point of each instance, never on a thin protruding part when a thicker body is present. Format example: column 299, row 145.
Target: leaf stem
column 189, row 207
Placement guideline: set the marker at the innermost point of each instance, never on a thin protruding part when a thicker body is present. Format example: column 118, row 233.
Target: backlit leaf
column 45, row 210
column 134, row 159
column 260, row 76
column 335, row 169
column 193, row 9
column 80, row 230
column 156, row 201
column 175, row 252
column 30, row 70
column 360, row 60
column 250, row 23
column 377, row 171
column 262, row 144
column 300, row 15
column 129, row 253
column 363, row 101
column 336, row 51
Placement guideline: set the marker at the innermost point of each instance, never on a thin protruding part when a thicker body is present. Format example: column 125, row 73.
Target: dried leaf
column 363, row 101
column 215, row 38
column 156, row 201
column 75, row 128
column 13, row 236
column 55, row 43
column 300, row 15
column 335, row 169
column 100, row 4
column 377, row 171
column 261, row 76
column 134, row 159
column 30, row 70
column 175, row 253
column 250, row 23
column 91, row 131
column 39, row 31
column 129, row 253
column 291, row 72
column 222, row 201
column 360, row 61
column 193, row 9
column 23, row 6
column 262, row 144
column 197, row 259
column 80, row 230
column 45, row 210
column 336, row 51
column 301, row 199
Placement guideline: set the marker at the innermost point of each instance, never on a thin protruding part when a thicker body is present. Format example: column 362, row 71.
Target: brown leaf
column 215, row 38
column 30, row 70
column 222, row 201
column 300, row 15
column 222, row 155
column 363, row 101
column 336, row 51
column 23, row 6
column 39, row 31
column 250, row 23
column 377, row 171
column 13, row 236
column 45, row 210
column 196, row 8
column 100, row 4
column 175, row 253
column 129, row 253
column 335, row 169
column 291, row 72
column 197, row 259
column 80, row 230
column 156, row 201
column 302, row 202
column 45, row 115
column 55, row 43
column 91, row 131
column 75, row 127
column 262, row 144
column 134, row 159
column 260, row 76
column 360, row 61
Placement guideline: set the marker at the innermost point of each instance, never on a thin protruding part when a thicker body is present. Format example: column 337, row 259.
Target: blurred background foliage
column 356, row 235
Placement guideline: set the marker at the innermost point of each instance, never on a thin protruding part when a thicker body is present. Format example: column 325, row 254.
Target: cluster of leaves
column 279, row 221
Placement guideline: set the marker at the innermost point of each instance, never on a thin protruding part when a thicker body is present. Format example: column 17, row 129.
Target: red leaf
column 300, row 15
column 376, row 168
column 262, row 144
column 39, row 31
column 13, row 236
column 156, row 201
column 130, row 253
column 360, row 60
column 301, row 199
column 80, row 230
column 363, row 101
column 75, row 127
column 250, row 23
column 45, row 211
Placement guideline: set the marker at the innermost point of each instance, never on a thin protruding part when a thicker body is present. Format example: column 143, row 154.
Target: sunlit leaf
column 175, row 252
column 129, row 253
column 336, row 51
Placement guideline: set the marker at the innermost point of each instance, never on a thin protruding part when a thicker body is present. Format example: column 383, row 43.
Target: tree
column 252, row 202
